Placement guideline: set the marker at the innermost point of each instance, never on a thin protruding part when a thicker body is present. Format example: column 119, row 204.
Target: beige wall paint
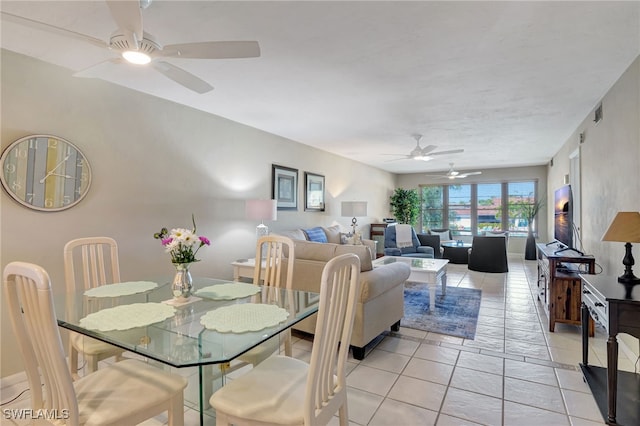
column 539, row 173
column 610, row 178
column 154, row 163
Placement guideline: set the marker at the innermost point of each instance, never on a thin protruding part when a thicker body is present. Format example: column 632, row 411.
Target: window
column 474, row 208
column 459, row 207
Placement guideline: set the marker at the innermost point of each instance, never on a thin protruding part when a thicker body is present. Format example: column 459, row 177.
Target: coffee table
column 429, row 271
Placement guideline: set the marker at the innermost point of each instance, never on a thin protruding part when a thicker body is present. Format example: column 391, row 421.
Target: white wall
column 610, row 155
column 539, row 173
column 154, row 163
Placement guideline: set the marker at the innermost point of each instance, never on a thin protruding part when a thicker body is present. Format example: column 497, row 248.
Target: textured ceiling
column 508, row 82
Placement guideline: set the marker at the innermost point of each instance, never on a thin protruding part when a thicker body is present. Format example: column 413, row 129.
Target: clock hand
column 64, row 176
column 51, row 171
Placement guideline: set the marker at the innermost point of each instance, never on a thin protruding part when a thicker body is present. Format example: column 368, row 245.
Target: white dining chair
column 274, row 249
column 90, row 262
column 287, row 391
column 125, row 393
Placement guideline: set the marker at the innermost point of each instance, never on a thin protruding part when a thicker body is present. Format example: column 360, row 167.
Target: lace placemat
column 228, row 291
column 243, row 317
column 125, row 317
column 121, row 289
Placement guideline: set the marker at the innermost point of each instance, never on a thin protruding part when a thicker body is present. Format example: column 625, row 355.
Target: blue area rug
column 456, row 313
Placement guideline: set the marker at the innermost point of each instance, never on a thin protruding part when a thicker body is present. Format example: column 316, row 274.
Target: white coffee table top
column 416, row 263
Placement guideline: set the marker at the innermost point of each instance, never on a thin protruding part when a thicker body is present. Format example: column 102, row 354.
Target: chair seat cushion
column 90, row 346
column 274, row 392
column 119, row 392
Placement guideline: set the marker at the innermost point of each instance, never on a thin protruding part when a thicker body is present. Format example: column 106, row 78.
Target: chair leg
column 176, row 410
column 343, row 414
column 73, row 362
column 92, row 363
column 288, row 349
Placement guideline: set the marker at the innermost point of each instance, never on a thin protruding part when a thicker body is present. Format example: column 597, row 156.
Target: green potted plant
column 405, row 205
column 525, row 209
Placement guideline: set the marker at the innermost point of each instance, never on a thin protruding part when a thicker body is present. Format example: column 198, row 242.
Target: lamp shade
column 261, row 209
column 624, row 228
column 354, row 208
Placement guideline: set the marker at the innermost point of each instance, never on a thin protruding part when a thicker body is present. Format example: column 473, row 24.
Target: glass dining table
column 207, row 333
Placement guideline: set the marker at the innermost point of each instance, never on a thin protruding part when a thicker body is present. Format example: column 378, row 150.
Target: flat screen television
column 563, row 216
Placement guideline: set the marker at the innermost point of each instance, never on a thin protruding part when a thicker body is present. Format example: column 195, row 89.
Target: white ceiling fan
column 424, row 154
column 136, row 46
column 454, row 174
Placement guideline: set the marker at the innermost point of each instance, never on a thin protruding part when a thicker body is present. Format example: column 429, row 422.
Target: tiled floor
column 515, row 372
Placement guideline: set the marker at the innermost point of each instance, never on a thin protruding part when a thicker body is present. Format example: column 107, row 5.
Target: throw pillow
column 333, row 234
column 444, row 235
column 316, row 234
column 361, row 251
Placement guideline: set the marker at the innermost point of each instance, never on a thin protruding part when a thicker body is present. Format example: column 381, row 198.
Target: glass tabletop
column 177, row 337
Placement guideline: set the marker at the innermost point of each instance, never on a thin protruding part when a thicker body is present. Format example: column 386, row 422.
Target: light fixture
column 261, row 210
column 353, row 209
column 625, row 228
column 136, row 57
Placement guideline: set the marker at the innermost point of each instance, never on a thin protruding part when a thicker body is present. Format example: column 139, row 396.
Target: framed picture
column 285, row 187
column 314, row 192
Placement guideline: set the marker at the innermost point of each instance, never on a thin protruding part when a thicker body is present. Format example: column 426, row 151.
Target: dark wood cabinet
column 560, row 285
column 377, row 234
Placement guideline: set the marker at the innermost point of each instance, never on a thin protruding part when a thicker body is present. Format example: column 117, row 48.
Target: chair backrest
column 326, row 383
column 273, row 249
column 390, row 240
column 433, row 241
column 96, row 257
column 27, row 290
column 488, row 254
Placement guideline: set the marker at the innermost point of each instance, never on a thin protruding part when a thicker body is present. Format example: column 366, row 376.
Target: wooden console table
column 561, row 286
column 603, row 299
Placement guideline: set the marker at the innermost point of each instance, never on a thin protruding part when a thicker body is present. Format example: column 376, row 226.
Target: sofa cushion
column 333, row 234
column 310, row 250
column 294, row 234
column 316, row 234
column 444, row 235
column 361, row 251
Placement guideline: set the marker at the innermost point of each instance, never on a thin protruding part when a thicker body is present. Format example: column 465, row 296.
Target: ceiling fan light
column 426, row 158
column 136, row 57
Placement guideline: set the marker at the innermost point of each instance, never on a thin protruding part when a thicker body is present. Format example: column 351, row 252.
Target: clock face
column 45, row 172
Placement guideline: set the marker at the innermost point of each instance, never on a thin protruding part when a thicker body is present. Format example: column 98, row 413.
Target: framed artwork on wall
column 314, row 192
column 285, row 187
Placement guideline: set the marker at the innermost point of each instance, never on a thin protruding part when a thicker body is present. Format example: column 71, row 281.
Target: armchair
column 416, row 250
column 433, row 241
column 488, row 254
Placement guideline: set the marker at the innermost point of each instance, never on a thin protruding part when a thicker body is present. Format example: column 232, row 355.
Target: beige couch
column 381, row 303
column 332, row 234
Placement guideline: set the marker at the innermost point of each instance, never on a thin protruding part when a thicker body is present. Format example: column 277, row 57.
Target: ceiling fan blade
column 471, row 174
column 182, row 77
column 98, row 70
column 213, row 50
column 51, row 29
column 452, row 151
column 128, row 17
column 427, row 149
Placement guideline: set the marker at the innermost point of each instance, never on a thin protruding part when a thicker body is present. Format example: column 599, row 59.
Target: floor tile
column 446, row 420
column 432, row 371
column 437, row 353
column 399, row 346
column 581, row 405
column 530, row 372
column 525, row 415
column 388, row 361
column 371, row 380
column 362, row 405
column 472, row 406
column 477, row 381
column 394, row 413
column 535, row 394
column 418, row 392
column 486, row 363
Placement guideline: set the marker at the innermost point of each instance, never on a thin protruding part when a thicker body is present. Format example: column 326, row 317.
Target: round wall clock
column 45, row 173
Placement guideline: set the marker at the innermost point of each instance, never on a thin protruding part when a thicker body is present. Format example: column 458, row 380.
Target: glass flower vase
column 182, row 284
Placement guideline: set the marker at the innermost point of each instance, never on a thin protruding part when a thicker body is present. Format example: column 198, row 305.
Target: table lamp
column 261, row 210
column 353, row 209
column 625, row 228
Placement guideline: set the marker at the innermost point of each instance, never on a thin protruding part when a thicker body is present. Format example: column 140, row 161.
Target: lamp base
column 262, row 230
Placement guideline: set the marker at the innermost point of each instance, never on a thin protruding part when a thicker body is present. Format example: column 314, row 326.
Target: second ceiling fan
column 454, row 174
column 424, row 154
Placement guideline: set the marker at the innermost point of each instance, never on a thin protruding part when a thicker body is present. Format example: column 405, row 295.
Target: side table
column 603, row 299
column 244, row 269
column 456, row 253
